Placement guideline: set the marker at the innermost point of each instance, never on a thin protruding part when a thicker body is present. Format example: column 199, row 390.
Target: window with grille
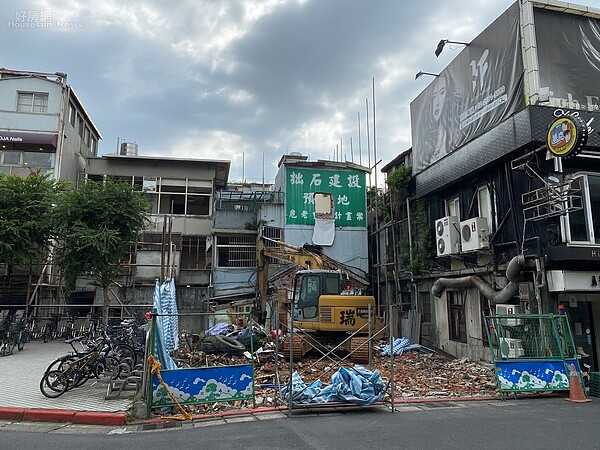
column 236, row 251
column 36, row 102
column 457, row 324
column 273, row 234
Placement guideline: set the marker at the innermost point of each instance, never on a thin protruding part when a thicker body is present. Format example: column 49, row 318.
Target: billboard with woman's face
column 480, row 88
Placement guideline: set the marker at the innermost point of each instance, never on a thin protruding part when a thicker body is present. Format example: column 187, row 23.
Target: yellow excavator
column 324, row 305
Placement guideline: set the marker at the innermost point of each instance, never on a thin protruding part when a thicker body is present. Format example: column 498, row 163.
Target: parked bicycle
column 12, row 334
column 132, row 333
column 91, row 330
column 32, row 332
column 100, row 359
column 5, row 338
column 50, row 329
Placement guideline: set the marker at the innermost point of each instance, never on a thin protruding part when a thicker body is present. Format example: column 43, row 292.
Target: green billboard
column 347, row 188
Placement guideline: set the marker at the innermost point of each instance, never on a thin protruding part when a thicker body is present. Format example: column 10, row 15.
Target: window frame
column 457, row 302
column 72, row 114
column 35, row 97
column 187, row 192
column 452, row 202
column 12, row 164
column 485, row 309
column 588, row 214
column 233, row 250
column 80, row 125
column 193, row 253
column 491, row 220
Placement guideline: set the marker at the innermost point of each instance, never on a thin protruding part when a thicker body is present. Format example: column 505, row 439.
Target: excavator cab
column 309, row 285
column 326, row 307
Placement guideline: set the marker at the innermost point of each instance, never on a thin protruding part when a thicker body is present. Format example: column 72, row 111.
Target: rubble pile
column 417, row 374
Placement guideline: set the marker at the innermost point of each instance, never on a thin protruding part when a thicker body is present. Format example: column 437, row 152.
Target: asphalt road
column 548, row 423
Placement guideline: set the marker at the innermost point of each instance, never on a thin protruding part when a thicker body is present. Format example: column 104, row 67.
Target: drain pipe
column 514, row 274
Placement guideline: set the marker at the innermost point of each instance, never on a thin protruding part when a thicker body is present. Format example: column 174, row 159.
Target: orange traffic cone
column 575, row 390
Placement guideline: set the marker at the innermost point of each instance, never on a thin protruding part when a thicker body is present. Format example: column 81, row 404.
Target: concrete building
column 43, row 124
column 178, row 241
column 325, row 206
column 319, row 204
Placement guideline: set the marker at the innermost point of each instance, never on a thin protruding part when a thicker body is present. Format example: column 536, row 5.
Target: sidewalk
column 22, row 400
column 21, row 373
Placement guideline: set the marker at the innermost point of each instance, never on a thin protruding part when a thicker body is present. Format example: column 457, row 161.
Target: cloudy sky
column 245, row 80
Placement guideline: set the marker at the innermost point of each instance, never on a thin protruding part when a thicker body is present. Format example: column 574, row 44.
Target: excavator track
column 297, row 348
column 359, row 346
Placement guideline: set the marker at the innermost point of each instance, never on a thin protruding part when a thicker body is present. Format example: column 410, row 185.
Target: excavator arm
column 284, row 252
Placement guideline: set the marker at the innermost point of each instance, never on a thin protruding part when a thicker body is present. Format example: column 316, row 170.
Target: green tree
column 26, row 210
column 399, row 180
column 423, row 248
column 96, row 226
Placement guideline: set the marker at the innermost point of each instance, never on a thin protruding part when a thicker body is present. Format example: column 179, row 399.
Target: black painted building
column 506, row 151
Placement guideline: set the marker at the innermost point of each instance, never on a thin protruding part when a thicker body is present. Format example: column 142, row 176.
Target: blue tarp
column 356, row 385
column 167, row 335
column 400, row 346
column 220, row 328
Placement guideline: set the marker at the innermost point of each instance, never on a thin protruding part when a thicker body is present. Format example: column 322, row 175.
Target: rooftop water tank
column 129, row 149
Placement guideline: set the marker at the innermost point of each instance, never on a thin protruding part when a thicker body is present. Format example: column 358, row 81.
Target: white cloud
column 245, row 78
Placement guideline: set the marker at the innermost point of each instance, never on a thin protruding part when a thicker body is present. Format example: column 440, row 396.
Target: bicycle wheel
column 80, row 377
column 108, row 367
column 54, row 384
column 61, row 363
column 20, row 341
column 5, row 347
column 13, row 342
column 124, row 352
column 45, row 333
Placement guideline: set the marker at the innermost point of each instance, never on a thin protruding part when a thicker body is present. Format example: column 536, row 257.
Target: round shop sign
column 567, row 136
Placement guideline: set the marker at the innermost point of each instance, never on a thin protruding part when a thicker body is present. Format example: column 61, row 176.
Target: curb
column 118, row 418
column 62, row 415
column 166, row 421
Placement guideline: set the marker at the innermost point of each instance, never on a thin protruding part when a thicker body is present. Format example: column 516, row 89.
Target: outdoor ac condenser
column 474, row 234
column 503, row 309
column 447, row 237
column 511, row 348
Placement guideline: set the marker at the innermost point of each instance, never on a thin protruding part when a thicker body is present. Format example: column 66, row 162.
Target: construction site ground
column 417, row 374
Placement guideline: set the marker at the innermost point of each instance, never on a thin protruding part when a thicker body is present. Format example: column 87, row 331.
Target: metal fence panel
column 531, row 352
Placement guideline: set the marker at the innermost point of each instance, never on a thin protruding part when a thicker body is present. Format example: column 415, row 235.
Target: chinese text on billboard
column 347, row 188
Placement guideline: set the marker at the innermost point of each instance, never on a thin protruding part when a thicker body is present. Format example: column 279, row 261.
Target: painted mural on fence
column 533, row 375
column 204, row 385
column 347, row 187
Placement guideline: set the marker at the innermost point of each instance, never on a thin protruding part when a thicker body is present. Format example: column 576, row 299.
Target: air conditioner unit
column 510, row 348
column 503, row 309
column 447, row 236
column 474, row 234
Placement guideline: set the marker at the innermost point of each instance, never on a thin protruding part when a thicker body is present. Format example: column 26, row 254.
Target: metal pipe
column 276, row 307
column 392, row 384
column 514, row 274
column 290, row 384
column 370, row 337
